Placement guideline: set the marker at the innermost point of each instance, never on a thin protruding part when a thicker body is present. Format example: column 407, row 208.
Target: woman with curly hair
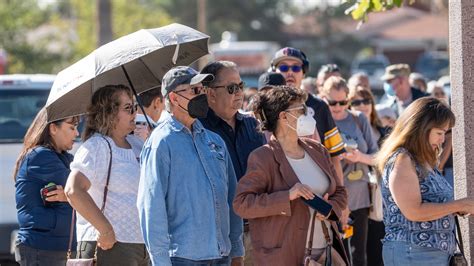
column 103, row 183
column 280, row 176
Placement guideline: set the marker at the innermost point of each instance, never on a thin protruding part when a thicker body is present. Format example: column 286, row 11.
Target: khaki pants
column 126, row 254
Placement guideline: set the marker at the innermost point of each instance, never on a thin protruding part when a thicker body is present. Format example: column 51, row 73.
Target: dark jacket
column 240, row 142
column 45, row 228
column 278, row 226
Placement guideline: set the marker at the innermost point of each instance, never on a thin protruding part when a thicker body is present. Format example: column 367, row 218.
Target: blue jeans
column 185, row 262
column 402, row 253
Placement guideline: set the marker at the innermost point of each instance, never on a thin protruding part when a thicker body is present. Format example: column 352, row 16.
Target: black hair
column 268, row 105
column 147, row 97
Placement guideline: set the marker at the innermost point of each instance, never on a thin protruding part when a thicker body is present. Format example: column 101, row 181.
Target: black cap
column 269, row 79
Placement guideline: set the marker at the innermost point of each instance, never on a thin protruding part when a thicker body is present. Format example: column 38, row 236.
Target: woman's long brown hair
column 37, row 135
column 412, row 131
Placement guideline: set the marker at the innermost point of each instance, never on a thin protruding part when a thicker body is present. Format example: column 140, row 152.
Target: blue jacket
column 239, row 142
column 45, row 228
column 187, row 185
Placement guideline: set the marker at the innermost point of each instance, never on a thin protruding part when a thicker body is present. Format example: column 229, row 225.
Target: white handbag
column 376, row 205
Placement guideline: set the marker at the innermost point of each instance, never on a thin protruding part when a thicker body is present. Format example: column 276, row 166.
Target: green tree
column 251, row 20
column 360, row 9
column 17, row 20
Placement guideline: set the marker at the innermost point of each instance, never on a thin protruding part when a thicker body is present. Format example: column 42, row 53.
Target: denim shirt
column 239, row 142
column 435, row 234
column 187, row 185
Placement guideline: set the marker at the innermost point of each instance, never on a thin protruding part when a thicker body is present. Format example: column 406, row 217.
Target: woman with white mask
column 280, row 176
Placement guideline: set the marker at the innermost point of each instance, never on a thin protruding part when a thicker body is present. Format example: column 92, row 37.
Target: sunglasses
column 286, row 68
column 131, row 108
column 303, row 107
column 360, row 102
column 334, row 103
column 233, row 87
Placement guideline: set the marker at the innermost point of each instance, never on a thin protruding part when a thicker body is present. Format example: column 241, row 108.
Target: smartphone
column 44, row 192
column 319, row 205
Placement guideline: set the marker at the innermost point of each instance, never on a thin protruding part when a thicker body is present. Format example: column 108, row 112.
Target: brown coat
column 278, row 227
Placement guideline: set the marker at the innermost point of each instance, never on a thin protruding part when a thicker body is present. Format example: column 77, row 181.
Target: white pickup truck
column 21, row 97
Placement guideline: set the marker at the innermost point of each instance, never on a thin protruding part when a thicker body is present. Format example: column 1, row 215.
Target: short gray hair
column 215, row 67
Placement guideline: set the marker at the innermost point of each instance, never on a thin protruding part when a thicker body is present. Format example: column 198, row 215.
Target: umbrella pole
column 138, row 98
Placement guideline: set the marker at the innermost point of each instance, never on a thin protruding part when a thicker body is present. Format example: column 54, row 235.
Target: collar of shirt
column 214, row 119
column 178, row 126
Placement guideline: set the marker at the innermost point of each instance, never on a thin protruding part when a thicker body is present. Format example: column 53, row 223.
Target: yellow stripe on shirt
column 333, row 141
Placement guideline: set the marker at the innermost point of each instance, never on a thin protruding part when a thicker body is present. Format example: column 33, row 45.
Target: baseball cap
column 182, row 75
column 396, row 70
column 290, row 53
column 269, row 79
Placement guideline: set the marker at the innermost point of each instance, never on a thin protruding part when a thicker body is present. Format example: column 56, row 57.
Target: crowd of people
column 293, row 172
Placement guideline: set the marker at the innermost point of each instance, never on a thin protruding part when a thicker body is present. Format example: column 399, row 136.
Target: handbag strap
column 106, row 189
column 71, row 231
column 459, row 236
column 309, row 245
column 328, row 241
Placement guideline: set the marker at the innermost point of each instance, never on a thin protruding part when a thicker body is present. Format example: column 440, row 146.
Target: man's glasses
column 334, row 103
column 196, row 90
column 233, row 87
column 303, row 107
column 360, row 102
column 286, row 68
column 131, row 108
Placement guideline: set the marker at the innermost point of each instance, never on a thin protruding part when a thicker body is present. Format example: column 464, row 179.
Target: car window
column 18, row 108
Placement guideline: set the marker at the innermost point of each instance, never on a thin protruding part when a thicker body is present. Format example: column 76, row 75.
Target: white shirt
column 92, row 160
column 309, row 173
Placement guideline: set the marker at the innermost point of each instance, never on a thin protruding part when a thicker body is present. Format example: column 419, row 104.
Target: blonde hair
column 361, row 91
column 103, row 110
column 412, row 132
column 334, row 83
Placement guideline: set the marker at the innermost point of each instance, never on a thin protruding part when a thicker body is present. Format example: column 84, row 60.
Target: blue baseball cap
column 182, row 75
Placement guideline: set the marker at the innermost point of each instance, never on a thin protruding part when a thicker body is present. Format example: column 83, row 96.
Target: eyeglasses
column 359, row 102
column 131, row 108
column 286, row 68
column 233, row 87
column 334, row 103
column 196, row 90
column 303, row 107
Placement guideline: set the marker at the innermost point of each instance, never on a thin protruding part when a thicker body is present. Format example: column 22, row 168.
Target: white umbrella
column 138, row 60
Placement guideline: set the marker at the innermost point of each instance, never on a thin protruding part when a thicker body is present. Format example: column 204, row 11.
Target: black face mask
column 197, row 106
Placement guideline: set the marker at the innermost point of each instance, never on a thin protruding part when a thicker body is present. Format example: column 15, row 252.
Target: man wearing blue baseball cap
column 187, row 182
column 292, row 63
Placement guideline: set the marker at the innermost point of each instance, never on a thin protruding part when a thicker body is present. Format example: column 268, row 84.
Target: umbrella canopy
column 138, row 60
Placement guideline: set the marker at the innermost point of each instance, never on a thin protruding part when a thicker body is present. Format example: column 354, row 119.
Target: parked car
column 374, row 67
column 433, row 65
column 21, row 97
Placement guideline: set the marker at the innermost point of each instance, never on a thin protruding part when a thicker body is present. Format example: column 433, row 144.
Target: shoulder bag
column 92, row 261
column 458, row 259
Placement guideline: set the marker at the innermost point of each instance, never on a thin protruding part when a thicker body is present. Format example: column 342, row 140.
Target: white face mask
column 305, row 125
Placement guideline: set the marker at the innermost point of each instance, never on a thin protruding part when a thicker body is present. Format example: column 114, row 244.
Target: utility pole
column 202, row 25
column 104, row 22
